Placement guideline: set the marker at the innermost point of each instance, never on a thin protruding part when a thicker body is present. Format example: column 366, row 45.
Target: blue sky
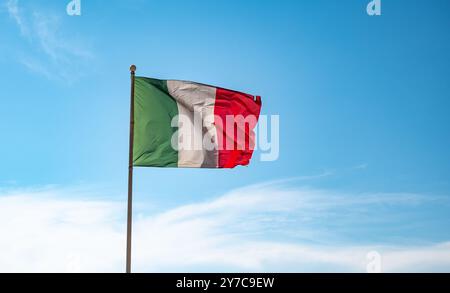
column 363, row 104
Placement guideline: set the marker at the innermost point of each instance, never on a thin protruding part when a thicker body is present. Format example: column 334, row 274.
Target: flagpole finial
column 133, row 68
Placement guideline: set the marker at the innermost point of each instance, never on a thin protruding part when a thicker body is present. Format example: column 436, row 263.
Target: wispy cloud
column 360, row 166
column 15, row 13
column 52, row 53
column 259, row 228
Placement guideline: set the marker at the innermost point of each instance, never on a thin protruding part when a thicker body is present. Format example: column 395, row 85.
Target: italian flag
column 191, row 125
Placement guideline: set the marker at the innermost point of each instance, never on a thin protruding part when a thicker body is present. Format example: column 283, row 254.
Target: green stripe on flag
column 154, row 110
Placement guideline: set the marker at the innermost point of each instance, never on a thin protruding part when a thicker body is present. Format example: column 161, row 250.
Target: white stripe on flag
column 195, row 101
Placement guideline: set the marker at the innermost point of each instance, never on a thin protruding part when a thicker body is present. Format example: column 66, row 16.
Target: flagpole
column 130, row 173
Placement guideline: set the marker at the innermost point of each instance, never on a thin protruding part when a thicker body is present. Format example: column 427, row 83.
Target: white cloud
column 52, row 53
column 360, row 166
column 248, row 229
column 15, row 13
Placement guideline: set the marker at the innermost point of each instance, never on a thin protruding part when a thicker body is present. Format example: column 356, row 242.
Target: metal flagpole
column 130, row 173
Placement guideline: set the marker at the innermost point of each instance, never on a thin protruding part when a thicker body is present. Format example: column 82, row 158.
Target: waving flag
column 192, row 125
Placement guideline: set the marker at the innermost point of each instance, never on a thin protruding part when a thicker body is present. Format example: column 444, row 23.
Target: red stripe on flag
column 233, row 104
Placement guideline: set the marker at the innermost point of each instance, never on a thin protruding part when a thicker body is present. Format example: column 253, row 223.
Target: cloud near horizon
column 260, row 228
